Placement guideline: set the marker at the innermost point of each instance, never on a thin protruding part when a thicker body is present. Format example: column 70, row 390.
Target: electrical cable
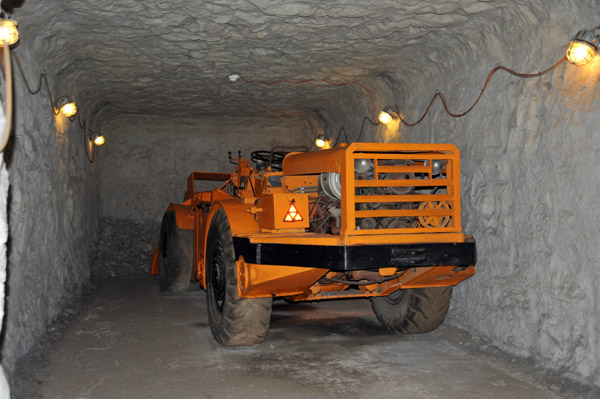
column 342, row 129
column 55, row 111
column 86, row 140
column 443, row 98
column 42, row 75
column 7, row 69
column 487, row 81
column 366, row 118
column 44, row 79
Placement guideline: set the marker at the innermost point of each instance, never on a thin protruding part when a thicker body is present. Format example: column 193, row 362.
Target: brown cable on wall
column 86, row 140
column 487, row 81
column 43, row 79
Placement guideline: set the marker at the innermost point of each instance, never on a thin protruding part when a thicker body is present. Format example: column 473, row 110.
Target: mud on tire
column 234, row 321
column 175, row 256
column 413, row 311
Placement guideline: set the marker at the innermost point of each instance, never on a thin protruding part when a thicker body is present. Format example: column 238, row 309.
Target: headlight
column 362, row 165
column 437, row 165
column 330, row 184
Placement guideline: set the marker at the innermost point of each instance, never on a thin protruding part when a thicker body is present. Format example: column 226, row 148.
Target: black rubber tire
column 413, row 311
column 175, row 256
column 234, row 321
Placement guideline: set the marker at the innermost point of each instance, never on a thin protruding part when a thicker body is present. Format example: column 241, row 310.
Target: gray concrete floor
column 130, row 341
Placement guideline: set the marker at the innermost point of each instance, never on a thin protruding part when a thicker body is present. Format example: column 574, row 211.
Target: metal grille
column 403, row 192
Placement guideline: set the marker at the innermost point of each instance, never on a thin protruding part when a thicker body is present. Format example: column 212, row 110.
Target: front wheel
column 234, row 321
column 414, row 310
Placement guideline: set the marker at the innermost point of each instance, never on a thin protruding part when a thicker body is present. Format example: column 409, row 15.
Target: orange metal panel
column 403, row 169
column 275, row 208
column 201, row 219
column 308, row 163
column 421, row 232
column 183, row 216
column 403, row 212
column 406, row 238
column 377, row 238
column 440, row 276
column 403, row 198
column 348, row 222
column 261, row 281
column 203, row 176
column 404, row 183
column 295, row 182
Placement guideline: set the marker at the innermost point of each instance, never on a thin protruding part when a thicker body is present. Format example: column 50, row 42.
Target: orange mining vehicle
column 373, row 220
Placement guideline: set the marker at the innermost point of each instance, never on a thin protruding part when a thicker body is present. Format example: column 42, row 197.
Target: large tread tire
column 234, row 321
column 175, row 256
column 413, row 311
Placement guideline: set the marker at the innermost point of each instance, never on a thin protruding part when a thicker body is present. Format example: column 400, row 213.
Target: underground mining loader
column 364, row 220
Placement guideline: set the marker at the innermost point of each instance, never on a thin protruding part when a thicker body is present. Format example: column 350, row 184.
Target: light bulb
column 98, row 139
column 8, row 32
column 68, row 109
column 385, row 117
column 320, row 142
column 584, row 46
column 580, row 53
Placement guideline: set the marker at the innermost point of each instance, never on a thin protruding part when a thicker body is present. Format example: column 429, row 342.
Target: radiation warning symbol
column 292, row 214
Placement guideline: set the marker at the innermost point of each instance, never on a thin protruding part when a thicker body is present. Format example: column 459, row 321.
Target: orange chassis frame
column 254, row 210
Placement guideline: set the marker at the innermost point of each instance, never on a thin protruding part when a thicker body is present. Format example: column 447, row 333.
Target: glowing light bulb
column 68, row 109
column 584, row 46
column 580, row 53
column 98, row 139
column 385, row 117
column 320, row 142
column 8, row 32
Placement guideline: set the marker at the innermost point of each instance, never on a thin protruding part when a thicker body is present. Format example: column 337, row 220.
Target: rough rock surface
column 140, row 174
column 52, row 217
column 124, row 248
column 529, row 194
column 530, row 185
column 4, row 185
column 145, row 163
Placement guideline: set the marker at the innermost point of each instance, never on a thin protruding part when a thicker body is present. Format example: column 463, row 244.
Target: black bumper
column 357, row 257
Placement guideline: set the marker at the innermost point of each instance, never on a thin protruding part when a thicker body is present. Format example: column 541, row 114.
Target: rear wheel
column 234, row 321
column 414, row 310
column 175, row 256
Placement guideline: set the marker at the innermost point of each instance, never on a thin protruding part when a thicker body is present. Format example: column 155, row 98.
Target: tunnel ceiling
column 174, row 57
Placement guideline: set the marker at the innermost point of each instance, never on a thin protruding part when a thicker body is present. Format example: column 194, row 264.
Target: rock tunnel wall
column 4, row 184
column 52, row 215
column 144, row 166
column 528, row 147
column 530, row 187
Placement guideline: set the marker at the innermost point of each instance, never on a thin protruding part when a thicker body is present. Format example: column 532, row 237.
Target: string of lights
column 390, row 113
column 64, row 106
column 582, row 49
column 9, row 36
